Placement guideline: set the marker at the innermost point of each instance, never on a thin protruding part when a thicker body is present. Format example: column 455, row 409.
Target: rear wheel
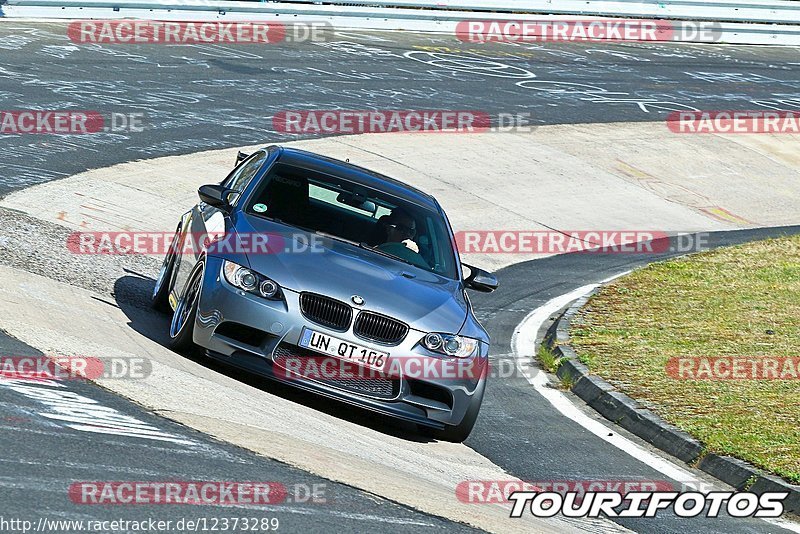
column 181, row 329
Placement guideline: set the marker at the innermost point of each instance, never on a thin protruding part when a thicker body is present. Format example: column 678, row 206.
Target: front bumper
column 249, row 332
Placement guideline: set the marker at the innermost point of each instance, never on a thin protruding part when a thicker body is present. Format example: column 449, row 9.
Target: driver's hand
column 411, row 245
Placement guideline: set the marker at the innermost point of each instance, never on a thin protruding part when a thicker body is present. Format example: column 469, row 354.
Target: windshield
column 359, row 215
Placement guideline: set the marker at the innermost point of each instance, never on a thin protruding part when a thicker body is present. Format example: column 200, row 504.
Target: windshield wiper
column 336, row 238
column 376, row 250
column 363, row 246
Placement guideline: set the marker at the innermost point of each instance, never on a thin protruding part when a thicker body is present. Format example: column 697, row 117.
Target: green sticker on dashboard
column 260, row 208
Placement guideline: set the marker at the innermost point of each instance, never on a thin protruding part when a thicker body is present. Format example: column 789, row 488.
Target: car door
column 205, row 220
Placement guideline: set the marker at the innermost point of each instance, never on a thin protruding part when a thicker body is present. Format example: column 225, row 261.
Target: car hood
column 424, row 300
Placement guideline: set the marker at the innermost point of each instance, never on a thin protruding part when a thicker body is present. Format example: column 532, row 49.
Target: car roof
column 357, row 175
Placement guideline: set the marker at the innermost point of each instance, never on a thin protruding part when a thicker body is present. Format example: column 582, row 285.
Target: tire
column 460, row 432
column 181, row 328
column 160, row 297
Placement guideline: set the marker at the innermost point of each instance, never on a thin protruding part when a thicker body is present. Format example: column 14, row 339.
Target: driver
column 401, row 228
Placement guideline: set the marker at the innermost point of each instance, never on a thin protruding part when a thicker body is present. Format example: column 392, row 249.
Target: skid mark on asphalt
column 721, row 214
column 680, row 195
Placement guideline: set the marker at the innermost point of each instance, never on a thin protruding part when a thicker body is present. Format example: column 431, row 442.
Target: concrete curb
column 630, row 415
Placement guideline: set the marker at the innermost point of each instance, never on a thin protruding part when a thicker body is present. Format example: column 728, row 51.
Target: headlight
column 450, row 345
column 268, row 288
column 250, row 281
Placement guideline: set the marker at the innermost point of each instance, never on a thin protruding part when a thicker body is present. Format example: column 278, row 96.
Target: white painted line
column 82, row 413
column 523, row 345
column 784, row 523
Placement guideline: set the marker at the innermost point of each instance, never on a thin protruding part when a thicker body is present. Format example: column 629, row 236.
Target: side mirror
column 480, row 280
column 215, row 195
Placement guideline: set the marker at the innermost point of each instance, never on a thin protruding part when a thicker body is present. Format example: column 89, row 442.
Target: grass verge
column 741, row 301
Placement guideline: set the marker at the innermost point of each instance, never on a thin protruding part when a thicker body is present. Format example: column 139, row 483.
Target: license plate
column 344, row 350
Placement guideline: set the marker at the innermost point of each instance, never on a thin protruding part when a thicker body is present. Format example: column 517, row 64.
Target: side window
column 242, row 175
column 431, row 243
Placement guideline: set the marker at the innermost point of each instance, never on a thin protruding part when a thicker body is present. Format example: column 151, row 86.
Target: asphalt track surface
column 43, row 457
column 204, row 97
column 200, row 97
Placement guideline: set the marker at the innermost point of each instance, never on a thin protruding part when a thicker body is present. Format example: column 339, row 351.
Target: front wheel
column 460, row 432
column 181, row 329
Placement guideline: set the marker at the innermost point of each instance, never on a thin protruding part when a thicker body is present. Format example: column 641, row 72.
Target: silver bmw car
column 335, row 279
